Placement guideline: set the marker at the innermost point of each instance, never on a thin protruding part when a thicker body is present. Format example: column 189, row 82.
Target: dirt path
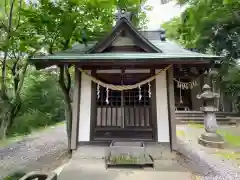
column 41, row 150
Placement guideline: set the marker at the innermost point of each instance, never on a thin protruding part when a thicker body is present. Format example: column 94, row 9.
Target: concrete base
column 211, row 140
column 88, row 163
column 158, row 151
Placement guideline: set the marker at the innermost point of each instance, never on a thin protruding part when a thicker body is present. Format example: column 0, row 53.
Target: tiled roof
column 167, row 50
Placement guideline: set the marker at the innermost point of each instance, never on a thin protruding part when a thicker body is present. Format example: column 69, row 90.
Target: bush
column 42, row 103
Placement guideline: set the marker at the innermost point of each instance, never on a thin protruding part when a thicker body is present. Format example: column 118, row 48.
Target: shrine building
column 128, row 85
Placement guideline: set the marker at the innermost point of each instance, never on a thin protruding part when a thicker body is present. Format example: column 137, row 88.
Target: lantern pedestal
column 210, row 138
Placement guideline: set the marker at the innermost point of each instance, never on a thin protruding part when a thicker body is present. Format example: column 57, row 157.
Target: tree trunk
column 68, row 116
column 68, row 107
column 3, row 129
column 15, row 105
column 13, row 111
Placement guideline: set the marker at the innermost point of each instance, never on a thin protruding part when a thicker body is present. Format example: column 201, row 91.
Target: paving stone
column 168, row 165
column 93, row 169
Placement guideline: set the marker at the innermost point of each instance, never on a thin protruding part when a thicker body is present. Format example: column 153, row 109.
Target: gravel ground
column 43, row 150
column 46, row 150
column 213, row 168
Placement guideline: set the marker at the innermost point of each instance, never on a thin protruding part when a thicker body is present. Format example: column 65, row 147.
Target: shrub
column 42, row 103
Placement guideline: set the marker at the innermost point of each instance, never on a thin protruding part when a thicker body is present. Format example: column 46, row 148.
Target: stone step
column 199, row 121
column 201, row 118
column 197, row 116
column 200, row 113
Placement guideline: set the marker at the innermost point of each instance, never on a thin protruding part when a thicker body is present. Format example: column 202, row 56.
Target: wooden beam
column 138, row 63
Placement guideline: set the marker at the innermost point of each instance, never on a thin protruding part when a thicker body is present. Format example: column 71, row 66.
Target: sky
column 162, row 13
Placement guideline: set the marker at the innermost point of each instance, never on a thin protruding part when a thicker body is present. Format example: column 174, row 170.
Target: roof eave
column 189, row 59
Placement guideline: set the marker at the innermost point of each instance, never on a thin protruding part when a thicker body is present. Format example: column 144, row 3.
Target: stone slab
column 212, row 144
column 213, row 137
column 92, row 170
column 168, row 165
column 160, row 151
column 157, row 151
column 89, row 152
column 145, row 175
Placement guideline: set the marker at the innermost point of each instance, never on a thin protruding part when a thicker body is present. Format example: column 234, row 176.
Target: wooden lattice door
column 126, row 115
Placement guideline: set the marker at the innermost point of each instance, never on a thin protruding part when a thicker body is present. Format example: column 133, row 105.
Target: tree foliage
column 17, row 44
column 46, row 26
column 210, row 26
column 42, row 103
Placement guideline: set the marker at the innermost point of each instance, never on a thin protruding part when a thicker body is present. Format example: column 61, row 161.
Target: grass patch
column 229, row 155
column 124, row 159
column 231, row 139
column 15, row 176
column 194, row 125
column 180, row 133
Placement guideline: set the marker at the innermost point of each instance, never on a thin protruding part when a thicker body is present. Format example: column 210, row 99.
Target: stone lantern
column 210, row 137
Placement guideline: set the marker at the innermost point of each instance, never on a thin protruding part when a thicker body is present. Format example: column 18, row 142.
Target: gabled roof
column 169, row 50
column 123, row 25
column 111, row 56
column 150, row 41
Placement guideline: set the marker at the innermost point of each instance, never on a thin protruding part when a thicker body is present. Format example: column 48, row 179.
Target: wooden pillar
column 93, row 115
column 75, row 108
column 153, row 101
column 171, row 109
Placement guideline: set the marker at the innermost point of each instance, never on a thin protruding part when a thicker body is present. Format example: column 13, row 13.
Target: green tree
column 62, row 23
column 42, row 102
column 17, row 43
column 210, row 26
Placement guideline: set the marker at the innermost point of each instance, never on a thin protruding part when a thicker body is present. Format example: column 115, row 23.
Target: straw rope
column 187, row 85
column 124, row 87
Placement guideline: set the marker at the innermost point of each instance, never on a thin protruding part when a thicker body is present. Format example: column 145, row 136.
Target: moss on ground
column 191, row 124
column 232, row 140
column 180, row 133
column 124, row 159
column 15, row 176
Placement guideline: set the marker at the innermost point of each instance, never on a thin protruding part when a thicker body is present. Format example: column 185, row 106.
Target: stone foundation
column 158, row 151
column 164, row 158
column 211, row 140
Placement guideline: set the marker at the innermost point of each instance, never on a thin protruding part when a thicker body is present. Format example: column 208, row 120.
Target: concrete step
column 200, row 113
column 201, row 118
column 197, row 115
column 183, row 117
column 201, row 121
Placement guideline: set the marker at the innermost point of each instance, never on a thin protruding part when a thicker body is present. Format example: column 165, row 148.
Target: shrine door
column 124, row 114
